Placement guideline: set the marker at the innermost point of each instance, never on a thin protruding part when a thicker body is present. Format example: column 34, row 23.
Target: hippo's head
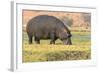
column 66, row 37
column 67, row 40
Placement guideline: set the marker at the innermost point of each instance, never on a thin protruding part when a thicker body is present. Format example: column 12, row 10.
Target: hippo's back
column 42, row 22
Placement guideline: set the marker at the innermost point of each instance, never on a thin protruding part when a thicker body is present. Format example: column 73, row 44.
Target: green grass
column 80, row 50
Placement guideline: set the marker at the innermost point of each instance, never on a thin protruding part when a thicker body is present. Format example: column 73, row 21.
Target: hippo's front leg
column 52, row 42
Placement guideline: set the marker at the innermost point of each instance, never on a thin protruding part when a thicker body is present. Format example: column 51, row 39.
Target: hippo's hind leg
column 53, row 38
column 37, row 40
column 30, row 39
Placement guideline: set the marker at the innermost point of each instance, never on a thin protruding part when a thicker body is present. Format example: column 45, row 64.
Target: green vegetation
column 80, row 50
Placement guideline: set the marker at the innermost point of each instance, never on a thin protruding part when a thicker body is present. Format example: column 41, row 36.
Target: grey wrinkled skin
column 48, row 27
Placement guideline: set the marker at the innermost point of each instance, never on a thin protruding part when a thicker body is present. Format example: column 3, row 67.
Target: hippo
column 48, row 27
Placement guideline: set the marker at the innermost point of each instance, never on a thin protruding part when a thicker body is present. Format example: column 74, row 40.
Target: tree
column 87, row 18
column 67, row 21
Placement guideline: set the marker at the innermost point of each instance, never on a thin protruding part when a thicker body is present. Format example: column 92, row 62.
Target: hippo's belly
column 44, row 35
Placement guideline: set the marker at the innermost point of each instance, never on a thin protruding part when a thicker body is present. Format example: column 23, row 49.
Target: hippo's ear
column 69, row 35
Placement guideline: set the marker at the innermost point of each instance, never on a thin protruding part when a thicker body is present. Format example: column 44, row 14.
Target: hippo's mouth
column 67, row 41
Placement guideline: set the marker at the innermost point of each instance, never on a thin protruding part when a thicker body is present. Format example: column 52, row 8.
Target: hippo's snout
column 67, row 41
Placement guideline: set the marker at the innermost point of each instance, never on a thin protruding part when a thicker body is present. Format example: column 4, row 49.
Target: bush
column 67, row 55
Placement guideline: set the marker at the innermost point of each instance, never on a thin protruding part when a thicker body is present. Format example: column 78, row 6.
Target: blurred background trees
column 87, row 19
column 67, row 21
